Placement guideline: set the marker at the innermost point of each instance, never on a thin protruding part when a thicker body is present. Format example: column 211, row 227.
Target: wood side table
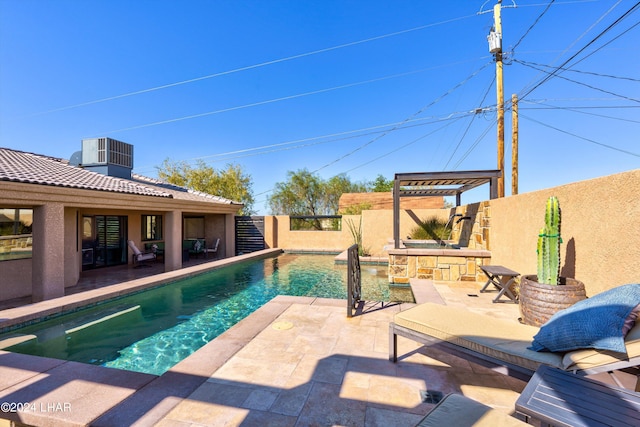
column 559, row 398
column 502, row 278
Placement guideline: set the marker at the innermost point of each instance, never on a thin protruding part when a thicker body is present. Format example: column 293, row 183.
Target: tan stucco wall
column 600, row 230
column 377, row 226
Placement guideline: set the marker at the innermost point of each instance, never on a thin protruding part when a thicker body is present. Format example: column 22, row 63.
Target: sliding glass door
column 104, row 241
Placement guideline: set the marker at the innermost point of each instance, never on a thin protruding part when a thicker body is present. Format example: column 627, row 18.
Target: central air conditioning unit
column 108, row 157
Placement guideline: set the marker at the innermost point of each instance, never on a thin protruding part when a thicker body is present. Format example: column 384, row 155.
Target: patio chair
column 140, row 258
column 213, row 249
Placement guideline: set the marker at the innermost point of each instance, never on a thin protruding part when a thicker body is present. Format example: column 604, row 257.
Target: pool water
column 152, row 331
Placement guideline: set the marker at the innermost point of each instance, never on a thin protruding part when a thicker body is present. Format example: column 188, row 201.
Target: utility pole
column 497, row 51
column 514, row 144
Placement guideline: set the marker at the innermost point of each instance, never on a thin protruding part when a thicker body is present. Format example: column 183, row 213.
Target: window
column 16, row 228
column 151, row 227
column 193, row 227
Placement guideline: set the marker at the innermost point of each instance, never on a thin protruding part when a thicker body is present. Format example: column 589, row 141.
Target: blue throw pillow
column 595, row 322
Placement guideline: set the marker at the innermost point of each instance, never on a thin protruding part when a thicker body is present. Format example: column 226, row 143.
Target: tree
column 381, row 185
column 231, row 183
column 305, row 193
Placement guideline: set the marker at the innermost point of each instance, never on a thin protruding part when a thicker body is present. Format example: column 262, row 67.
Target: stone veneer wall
column 474, row 233
column 449, row 264
column 437, row 264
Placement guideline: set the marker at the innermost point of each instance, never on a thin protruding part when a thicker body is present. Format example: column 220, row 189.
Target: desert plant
column 431, row 228
column 549, row 244
column 356, row 234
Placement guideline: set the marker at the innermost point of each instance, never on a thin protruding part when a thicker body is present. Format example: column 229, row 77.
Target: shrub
column 432, row 228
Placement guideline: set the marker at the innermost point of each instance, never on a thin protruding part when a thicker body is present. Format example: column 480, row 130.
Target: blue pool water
column 153, row 330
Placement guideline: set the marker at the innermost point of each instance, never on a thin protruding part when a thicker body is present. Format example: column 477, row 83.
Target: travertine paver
column 315, row 366
column 294, row 362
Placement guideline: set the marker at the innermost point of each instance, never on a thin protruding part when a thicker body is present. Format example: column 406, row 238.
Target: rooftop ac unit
column 107, row 156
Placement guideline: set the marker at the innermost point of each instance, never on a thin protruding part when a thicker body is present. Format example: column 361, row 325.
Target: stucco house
column 60, row 217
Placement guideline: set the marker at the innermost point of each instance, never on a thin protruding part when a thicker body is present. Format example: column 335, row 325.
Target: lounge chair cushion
column 501, row 339
column 588, row 358
column 596, row 322
column 460, row 411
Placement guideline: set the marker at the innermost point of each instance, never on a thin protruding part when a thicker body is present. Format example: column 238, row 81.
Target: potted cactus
column 544, row 294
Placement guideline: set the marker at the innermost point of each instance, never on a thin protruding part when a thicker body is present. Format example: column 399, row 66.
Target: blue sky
column 356, row 87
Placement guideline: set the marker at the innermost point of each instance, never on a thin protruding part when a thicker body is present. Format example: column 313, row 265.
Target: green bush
column 432, row 228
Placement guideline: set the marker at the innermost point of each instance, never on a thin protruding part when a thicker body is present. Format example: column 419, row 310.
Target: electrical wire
column 251, row 67
column 602, row 33
column 486, row 93
column 611, row 147
column 407, row 119
column 577, row 110
column 532, row 25
column 270, row 101
column 453, row 120
column 532, row 64
column 581, row 83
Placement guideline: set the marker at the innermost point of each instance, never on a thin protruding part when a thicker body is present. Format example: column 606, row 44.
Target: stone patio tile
column 73, row 393
column 253, row 371
column 261, row 399
column 313, row 344
column 15, row 368
column 325, row 407
column 213, row 403
column 291, row 399
column 267, row 419
column 379, row 417
column 330, row 369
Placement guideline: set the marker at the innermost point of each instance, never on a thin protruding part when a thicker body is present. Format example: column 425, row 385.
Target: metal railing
column 354, row 282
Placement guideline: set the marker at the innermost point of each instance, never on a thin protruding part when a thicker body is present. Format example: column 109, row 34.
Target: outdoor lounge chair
column 213, row 250
column 500, row 344
column 140, row 258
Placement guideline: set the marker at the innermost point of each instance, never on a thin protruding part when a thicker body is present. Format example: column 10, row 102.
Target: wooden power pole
column 497, row 22
column 514, row 144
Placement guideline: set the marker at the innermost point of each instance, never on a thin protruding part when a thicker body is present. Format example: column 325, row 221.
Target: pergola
column 425, row 184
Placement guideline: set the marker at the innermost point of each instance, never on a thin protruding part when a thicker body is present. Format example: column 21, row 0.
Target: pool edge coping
column 12, row 318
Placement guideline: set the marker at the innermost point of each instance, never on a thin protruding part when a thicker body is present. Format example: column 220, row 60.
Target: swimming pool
column 152, row 331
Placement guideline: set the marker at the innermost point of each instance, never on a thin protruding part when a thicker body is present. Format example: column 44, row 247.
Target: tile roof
column 30, row 168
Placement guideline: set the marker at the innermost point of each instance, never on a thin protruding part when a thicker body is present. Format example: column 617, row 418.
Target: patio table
column 563, row 399
column 502, row 278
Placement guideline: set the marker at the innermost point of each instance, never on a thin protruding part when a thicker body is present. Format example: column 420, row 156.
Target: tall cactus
column 549, row 244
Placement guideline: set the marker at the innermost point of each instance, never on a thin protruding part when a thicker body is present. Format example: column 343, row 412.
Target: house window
column 151, row 227
column 193, row 227
column 16, row 228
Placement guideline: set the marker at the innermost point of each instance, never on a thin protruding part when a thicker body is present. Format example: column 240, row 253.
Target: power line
column 453, row 120
column 611, row 147
column 580, row 83
column 322, row 139
column 250, row 67
column 602, row 33
column 577, row 110
column 271, row 101
column 409, row 118
column 532, row 64
column 486, row 93
column 532, row 25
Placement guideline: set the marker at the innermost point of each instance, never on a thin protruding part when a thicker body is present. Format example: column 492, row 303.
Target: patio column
column 173, row 241
column 47, row 280
column 396, row 213
column 230, row 235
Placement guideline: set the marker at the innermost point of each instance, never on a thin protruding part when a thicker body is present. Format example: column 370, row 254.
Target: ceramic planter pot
column 539, row 301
